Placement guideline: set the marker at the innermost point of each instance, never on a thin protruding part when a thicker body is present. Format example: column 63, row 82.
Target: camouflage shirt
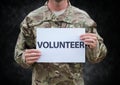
column 56, row 73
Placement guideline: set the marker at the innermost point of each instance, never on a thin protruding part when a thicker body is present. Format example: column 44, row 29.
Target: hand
column 31, row 55
column 89, row 39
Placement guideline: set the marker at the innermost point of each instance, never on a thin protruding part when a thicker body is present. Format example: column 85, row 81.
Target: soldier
column 58, row 14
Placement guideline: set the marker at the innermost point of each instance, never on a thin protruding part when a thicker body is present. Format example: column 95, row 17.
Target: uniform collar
column 65, row 17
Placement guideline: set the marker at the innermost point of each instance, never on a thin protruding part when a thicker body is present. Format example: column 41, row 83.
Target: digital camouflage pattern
column 56, row 73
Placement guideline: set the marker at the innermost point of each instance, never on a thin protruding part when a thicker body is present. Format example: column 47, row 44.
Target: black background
column 104, row 12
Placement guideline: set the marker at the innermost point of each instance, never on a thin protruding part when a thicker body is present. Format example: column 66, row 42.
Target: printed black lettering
column 77, row 45
column 59, row 44
column 40, row 44
column 67, row 44
column 56, row 45
column 62, row 44
column 45, row 44
column 82, row 45
column 72, row 44
column 50, row 45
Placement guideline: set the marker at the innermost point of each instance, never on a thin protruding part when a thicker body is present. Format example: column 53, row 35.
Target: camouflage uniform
column 56, row 73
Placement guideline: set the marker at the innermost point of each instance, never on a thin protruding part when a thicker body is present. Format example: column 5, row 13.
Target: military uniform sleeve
column 97, row 54
column 20, row 45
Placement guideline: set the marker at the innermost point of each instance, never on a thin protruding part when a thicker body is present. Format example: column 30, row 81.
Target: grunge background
column 104, row 12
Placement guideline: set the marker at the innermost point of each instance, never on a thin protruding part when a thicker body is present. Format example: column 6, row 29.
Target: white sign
column 60, row 45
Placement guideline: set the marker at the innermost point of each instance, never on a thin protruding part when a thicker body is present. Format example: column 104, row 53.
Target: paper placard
column 60, row 45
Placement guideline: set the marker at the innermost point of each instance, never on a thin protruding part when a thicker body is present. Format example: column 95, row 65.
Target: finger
column 32, row 54
column 90, row 41
column 88, row 34
column 91, row 44
column 88, row 37
column 32, row 58
column 31, row 62
column 32, row 51
column 85, row 37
